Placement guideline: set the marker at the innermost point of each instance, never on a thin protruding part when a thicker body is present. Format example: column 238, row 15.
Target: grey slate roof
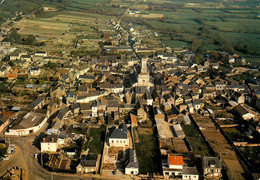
column 132, row 160
column 120, row 132
column 209, row 162
column 36, row 102
column 88, row 163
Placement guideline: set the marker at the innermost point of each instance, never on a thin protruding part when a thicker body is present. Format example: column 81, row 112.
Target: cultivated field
column 220, row 146
column 41, row 27
column 234, row 23
column 150, row 15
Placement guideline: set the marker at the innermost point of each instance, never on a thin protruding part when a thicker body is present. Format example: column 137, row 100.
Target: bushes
column 15, row 38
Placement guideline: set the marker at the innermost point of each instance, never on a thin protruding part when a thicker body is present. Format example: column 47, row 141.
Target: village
column 139, row 110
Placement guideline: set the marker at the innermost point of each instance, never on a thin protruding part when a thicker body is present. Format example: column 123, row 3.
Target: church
column 144, row 78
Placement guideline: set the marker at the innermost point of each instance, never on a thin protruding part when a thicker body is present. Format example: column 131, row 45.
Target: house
column 239, row 98
column 40, row 53
column 243, row 113
column 4, row 70
column 87, row 78
column 63, row 113
column 71, row 98
column 178, row 100
column 174, row 166
column 212, row 167
column 158, row 114
column 37, row 103
column 35, row 71
column 149, row 99
column 75, row 108
column 190, row 173
column 190, row 108
column 87, row 166
column 88, row 97
column 196, row 104
column 215, row 65
column 4, row 122
column 49, row 143
column 220, row 85
column 115, row 88
column 119, row 137
column 132, row 166
column 26, row 58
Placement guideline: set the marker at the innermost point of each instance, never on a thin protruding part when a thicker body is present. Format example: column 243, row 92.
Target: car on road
column 6, row 158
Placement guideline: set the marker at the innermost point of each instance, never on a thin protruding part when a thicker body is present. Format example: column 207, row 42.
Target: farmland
column 236, row 24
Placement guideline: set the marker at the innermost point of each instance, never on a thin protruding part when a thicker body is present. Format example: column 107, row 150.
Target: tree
column 14, row 37
column 196, row 44
column 3, row 151
column 30, row 40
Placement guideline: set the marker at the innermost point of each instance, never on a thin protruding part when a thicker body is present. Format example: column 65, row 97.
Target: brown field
column 149, row 16
column 41, row 27
column 145, row 130
column 73, row 19
column 205, row 5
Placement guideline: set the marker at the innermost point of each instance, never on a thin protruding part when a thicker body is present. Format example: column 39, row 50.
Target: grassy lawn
column 175, row 44
column 253, row 156
column 3, row 88
column 236, row 135
column 148, row 154
column 95, row 137
column 196, row 141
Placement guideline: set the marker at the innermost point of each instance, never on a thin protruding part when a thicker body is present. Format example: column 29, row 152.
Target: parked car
column 6, row 158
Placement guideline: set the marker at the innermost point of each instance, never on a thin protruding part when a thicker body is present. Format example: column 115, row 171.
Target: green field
column 252, row 154
column 195, row 140
column 147, row 154
column 95, row 137
column 217, row 25
column 11, row 6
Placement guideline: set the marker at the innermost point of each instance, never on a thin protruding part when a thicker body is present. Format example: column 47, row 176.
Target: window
column 121, row 142
column 112, row 141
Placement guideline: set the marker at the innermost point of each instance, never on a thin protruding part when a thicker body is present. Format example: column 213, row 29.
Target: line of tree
column 15, row 38
column 63, row 2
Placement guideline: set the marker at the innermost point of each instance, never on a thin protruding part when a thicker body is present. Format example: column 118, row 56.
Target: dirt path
column 220, row 145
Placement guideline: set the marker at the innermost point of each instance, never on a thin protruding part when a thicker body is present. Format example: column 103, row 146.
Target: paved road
column 24, row 158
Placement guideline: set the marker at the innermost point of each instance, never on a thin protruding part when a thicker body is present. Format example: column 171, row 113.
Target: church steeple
column 144, row 66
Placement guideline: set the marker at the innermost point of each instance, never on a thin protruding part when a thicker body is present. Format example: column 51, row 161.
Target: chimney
column 52, row 139
column 43, row 140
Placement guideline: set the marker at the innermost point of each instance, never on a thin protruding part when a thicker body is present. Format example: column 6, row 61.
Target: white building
column 190, row 173
column 132, row 166
column 50, row 143
column 28, row 124
column 119, row 137
column 89, row 97
column 174, row 166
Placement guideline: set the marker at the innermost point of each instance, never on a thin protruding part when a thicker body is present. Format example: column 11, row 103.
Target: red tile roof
column 175, row 160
